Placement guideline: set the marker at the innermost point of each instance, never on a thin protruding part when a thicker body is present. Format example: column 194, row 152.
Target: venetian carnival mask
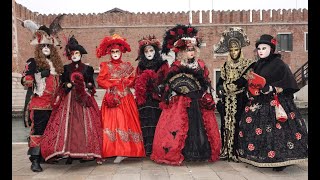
column 115, row 54
column 149, row 52
column 190, row 52
column 75, row 56
column 234, row 50
column 45, row 49
column 263, row 50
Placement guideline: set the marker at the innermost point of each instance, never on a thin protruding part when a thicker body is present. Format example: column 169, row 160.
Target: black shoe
column 35, row 166
column 279, row 168
column 69, row 160
column 51, row 161
column 85, row 160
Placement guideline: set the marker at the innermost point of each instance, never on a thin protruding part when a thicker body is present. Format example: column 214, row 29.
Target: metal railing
column 301, row 75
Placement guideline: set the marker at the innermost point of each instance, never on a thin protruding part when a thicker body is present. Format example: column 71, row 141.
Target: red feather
column 142, row 85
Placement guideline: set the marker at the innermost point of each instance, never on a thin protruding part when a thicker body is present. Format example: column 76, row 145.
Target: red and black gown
column 149, row 75
column 122, row 134
column 74, row 129
column 186, row 130
column 263, row 141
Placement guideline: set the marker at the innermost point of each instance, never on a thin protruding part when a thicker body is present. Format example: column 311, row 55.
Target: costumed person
column 74, row 129
column 122, row 136
column 266, row 139
column 150, row 73
column 187, row 129
column 43, row 76
column 231, row 87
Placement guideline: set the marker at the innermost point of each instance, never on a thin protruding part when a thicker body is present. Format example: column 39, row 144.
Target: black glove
column 45, row 73
column 90, row 85
column 67, row 87
column 160, row 88
column 241, row 82
column 267, row 89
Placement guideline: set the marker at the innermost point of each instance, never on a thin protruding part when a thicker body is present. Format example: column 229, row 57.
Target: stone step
column 301, row 104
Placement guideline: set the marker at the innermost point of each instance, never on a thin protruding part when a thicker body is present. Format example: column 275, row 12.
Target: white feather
column 29, row 24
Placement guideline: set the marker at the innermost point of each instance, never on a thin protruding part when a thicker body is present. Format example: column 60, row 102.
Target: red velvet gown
column 186, row 131
column 122, row 134
column 74, row 129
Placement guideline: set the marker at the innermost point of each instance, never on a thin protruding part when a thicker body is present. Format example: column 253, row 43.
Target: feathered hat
column 73, row 45
column 232, row 34
column 179, row 38
column 43, row 34
column 112, row 42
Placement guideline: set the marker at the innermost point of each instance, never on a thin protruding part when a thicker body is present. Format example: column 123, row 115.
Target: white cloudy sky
column 100, row 6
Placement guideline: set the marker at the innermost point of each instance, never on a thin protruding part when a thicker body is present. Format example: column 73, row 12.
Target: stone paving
column 141, row 168
column 145, row 169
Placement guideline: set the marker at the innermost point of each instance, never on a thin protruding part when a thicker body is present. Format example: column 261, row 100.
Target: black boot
column 279, row 168
column 69, row 160
column 35, row 166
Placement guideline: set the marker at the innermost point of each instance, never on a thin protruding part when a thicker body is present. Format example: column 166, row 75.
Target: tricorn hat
column 73, row 45
column 267, row 39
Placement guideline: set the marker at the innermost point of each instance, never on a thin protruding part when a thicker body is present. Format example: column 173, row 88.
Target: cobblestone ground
column 140, row 169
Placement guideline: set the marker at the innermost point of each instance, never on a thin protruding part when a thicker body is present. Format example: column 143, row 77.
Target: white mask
column 46, row 49
column 263, row 50
column 75, row 56
column 149, row 52
column 115, row 54
column 190, row 52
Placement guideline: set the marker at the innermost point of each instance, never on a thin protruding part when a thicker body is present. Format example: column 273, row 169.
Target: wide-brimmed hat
column 267, row 39
column 232, row 34
column 44, row 36
column 112, row 42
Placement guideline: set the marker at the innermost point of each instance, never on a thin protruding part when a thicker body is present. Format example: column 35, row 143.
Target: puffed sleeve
column 28, row 73
column 206, row 73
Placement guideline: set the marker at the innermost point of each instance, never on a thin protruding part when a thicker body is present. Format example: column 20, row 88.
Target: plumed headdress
column 232, row 34
column 43, row 34
column 73, row 45
column 112, row 42
column 179, row 38
column 149, row 41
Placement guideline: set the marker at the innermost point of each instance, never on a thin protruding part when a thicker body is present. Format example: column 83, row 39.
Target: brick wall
column 91, row 28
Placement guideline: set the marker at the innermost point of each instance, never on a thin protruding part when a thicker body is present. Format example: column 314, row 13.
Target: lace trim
column 136, row 137
column 80, row 155
column 278, row 164
column 40, row 84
